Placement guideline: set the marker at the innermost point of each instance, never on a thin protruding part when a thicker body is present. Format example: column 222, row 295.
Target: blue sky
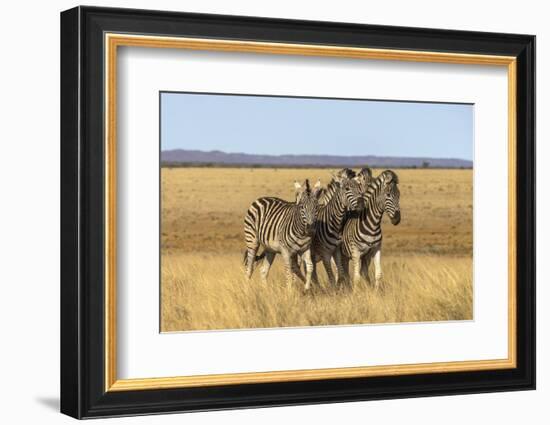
column 286, row 125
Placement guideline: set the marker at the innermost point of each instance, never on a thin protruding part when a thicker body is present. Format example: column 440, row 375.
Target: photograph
column 284, row 211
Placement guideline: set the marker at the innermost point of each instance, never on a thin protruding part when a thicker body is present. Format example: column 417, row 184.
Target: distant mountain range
column 181, row 157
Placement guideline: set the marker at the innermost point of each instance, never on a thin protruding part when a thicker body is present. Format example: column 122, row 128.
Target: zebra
column 362, row 235
column 346, row 196
column 363, row 178
column 285, row 228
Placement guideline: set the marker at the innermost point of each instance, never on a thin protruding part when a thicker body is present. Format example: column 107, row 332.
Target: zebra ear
column 391, row 176
column 298, row 190
column 317, row 189
column 317, row 193
column 366, row 173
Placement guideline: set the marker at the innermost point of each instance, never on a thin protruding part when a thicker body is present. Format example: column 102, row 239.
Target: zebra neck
column 296, row 223
column 328, row 193
column 374, row 211
column 335, row 212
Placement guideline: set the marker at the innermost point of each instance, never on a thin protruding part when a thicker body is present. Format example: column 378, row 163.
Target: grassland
column 427, row 259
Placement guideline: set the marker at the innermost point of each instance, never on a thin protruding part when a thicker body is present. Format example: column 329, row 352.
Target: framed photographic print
column 261, row 212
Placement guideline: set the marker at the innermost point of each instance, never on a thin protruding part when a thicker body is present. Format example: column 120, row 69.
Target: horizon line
column 322, row 154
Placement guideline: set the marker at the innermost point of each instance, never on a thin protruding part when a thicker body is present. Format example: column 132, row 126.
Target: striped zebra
column 346, row 195
column 362, row 236
column 285, row 228
column 363, row 178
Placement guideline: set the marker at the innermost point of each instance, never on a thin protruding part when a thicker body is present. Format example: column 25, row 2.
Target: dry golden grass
column 416, row 289
column 427, row 259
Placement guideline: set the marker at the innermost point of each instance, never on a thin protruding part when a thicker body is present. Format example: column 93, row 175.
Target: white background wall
column 29, row 212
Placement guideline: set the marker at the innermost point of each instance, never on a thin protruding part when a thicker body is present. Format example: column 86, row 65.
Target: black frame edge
column 82, row 345
column 526, row 210
column 70, row 383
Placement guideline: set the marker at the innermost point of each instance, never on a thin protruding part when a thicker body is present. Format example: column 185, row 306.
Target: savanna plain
column 426, row 259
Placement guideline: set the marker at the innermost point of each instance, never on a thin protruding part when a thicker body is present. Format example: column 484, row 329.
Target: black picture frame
column 82, row 219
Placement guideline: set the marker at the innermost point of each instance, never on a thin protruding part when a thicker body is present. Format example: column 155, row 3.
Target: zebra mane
column 366, row 173
column 391, row 176
column 307, row 190
column 346, row 172
column 332, row 185
column 308, row 187
column 328, row 192
column 374, row 185
column 377, row 183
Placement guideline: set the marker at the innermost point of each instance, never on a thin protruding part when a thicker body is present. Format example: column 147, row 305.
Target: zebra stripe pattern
column 362, row 235
column 363, row 177
column 328, row 192
column 346, row 196
column 285, row 228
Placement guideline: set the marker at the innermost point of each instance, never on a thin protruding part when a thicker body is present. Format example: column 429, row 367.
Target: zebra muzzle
column 396, row 219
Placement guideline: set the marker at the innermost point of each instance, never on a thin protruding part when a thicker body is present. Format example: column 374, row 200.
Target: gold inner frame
column 113, row 41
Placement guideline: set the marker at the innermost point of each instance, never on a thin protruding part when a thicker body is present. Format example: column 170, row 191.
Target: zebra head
column 352, row 193
column 390, row 192
column 307, row 200
column 364, row 178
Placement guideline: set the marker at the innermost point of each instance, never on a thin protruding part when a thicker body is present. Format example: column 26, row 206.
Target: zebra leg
column 268, row 261
column 296, row 268
column 328, row 267
column 334, row 265
column 377, row 268
column 356, row 263
column 309, row 268
column 342, row 272
column 250, row 260
column 365, row 267
column 345, row 270
column 314, row 277
column 288, row 268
